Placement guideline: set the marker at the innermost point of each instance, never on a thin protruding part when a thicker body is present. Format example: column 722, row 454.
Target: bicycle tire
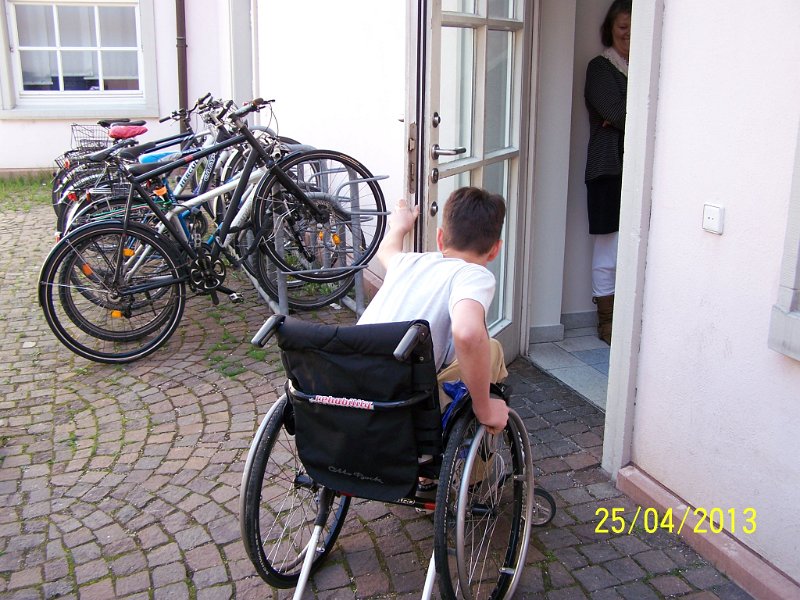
column 278, row 503
column 544, row 507
column 354, row 212
column 483, row 510
column 98, row 318
column 68, row 163
column 112, row 207
column 66, row 178
column 101, row 183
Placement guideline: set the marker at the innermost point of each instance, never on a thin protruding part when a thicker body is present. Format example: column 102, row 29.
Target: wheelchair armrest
column 413, row 336
column 267, row 330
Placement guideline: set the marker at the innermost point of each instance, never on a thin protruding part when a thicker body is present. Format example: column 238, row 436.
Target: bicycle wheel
column 109, row 207
column 112, row 296
column 300, row 295
column 69, row 165
column 65, row 180
column 99, row 183
column 278, row 503
column 483, row 510
column 544, row 507
column 348, row 226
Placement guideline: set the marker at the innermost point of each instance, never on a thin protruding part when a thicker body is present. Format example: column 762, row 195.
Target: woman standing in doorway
column 606, row 95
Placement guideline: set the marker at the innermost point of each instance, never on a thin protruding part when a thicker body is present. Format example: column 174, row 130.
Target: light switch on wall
column 712, row 218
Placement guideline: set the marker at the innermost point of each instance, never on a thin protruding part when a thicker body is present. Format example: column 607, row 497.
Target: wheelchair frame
column 483, row 512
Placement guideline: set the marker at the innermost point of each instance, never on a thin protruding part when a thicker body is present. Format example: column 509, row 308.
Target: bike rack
column 356, row 305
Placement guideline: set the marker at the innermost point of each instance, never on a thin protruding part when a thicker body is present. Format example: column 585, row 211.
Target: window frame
column 61, row 104
column 784, row 328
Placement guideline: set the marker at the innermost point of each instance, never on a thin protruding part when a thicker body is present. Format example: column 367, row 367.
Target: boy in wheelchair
column 452, row 290
column 359, row 418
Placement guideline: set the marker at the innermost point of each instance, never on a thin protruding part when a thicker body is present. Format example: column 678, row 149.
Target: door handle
column 436, row 152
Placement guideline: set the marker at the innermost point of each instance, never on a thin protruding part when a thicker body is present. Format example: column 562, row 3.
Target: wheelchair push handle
column 414, row 335
column 267, row 330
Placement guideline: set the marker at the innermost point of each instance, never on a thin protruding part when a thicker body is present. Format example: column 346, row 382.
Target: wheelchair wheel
column 544, row 507
column 278, row 503
column 483, row 510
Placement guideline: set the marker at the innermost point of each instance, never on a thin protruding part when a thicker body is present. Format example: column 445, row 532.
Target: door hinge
column 411, row 149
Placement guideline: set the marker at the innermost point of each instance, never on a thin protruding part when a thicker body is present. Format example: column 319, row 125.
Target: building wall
column 337, row 73
column 208, row 71
column 717, row 410
column 578, row 251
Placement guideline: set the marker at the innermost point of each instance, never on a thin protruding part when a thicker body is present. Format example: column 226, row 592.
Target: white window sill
column 784, row 332
column 92, row 111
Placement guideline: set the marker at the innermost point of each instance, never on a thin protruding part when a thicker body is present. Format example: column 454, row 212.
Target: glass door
column 469, row 61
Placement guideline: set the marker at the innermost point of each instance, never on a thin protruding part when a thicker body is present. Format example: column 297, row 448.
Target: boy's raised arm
column 401, row 222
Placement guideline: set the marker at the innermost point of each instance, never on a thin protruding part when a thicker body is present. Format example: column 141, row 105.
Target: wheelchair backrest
column 362, row 417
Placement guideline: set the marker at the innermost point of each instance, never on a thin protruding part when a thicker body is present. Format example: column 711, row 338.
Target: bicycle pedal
column 236, row 298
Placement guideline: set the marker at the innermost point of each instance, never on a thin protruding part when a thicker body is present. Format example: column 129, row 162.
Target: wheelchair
column 360, row 418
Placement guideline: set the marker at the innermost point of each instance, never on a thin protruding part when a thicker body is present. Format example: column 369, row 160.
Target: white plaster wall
column 717, row 412
column 208, row 51
column 17, row 152
column 551, row 165
column 337, row 73
column 208, row 48
column 577, row 294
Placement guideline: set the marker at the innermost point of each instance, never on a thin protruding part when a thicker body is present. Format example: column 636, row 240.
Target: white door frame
column 637, row 180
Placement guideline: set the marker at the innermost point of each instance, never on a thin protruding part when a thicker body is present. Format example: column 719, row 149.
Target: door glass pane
column 118, row 26
column 80, row 69
column 121, row 70
column 498, row 90
column 462, row 6
column 444, row 188
column 76, row 26
column 39, row 70
column 35, row 26
column 495, row 179
column 457, row 89
column 501, row 9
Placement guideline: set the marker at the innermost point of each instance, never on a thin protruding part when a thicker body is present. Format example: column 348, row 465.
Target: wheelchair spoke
column 482, row 540
column 280, row 506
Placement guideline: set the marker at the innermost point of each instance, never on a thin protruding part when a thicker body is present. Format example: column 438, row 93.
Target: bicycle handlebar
column 252, row 106
column 184, row 113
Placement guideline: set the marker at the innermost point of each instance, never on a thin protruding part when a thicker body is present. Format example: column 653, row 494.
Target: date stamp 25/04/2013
column 704, row 521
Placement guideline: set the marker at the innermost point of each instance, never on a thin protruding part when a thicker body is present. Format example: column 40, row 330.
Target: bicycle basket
column 89, row 137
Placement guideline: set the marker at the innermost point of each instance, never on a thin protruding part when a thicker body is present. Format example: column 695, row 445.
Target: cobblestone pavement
column 124, row 481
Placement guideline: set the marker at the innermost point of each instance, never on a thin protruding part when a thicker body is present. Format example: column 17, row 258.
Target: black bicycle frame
column 244, row 135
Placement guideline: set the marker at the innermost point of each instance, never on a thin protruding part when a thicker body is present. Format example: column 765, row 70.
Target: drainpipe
column 183, row 92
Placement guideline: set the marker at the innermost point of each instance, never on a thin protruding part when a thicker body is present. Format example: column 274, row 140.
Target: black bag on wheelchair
column 362, row 417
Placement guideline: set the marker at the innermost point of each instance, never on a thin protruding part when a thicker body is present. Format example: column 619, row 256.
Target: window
column 72, row 55
column 784, row 331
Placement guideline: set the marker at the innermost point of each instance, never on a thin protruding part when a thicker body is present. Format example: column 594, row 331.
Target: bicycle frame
column 239, row 191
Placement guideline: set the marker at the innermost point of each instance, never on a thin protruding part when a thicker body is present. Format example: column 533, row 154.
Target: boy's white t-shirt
column 428, row 286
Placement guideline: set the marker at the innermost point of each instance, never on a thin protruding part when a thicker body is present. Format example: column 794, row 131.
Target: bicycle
column 114, row 291
column 79, row 174
column 105, row 195
column 300, row 295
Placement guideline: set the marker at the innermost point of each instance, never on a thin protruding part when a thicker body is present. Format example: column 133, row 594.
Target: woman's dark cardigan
column 606, row 95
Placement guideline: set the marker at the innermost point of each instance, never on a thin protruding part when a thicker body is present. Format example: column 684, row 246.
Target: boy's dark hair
column 617, row 7
column 473, row 220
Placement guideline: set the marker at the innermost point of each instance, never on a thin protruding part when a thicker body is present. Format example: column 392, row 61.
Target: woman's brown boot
column 605, row 315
